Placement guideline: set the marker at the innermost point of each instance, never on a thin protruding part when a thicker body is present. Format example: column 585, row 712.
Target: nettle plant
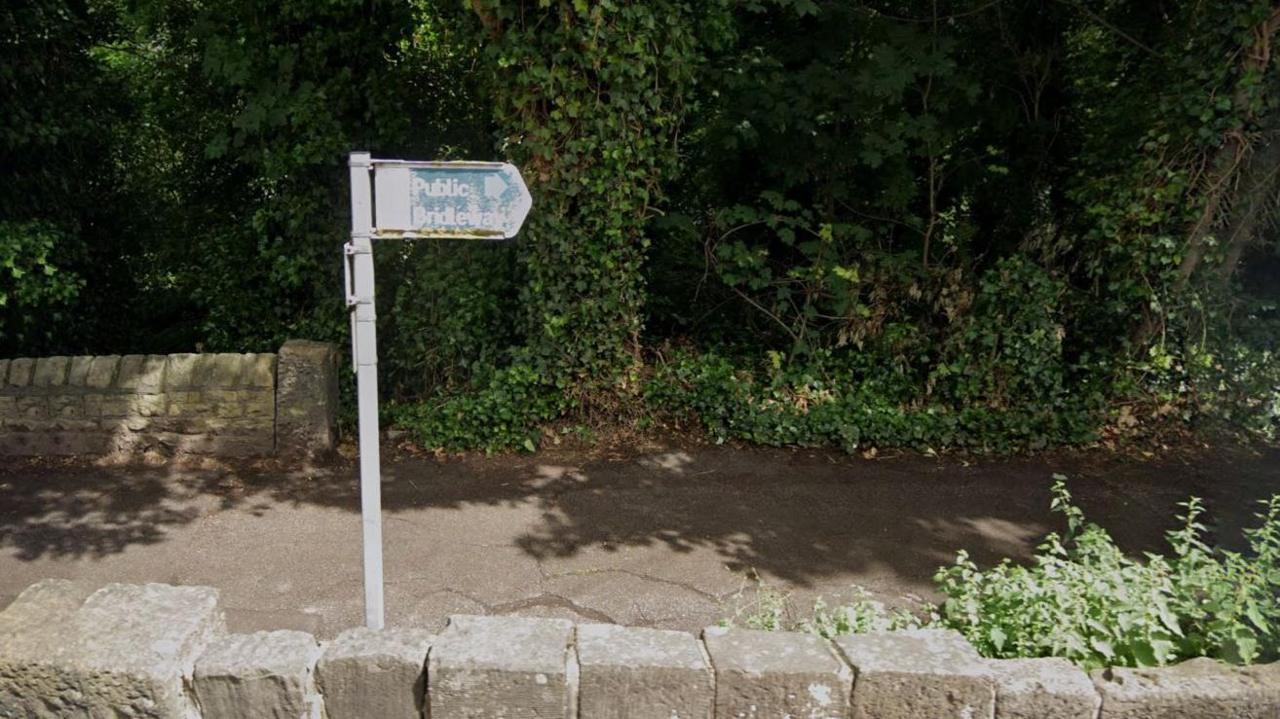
column 1084, row 599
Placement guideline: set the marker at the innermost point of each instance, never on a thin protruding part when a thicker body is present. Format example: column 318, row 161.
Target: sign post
column 472, row 200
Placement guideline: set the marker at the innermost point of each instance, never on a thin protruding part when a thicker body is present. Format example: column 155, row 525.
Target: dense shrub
column 1001, row 382
column 834, row 401
column 505, row 412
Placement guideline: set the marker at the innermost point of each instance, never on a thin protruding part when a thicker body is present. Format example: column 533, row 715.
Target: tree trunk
column 1224, row 175
column 1258, row 194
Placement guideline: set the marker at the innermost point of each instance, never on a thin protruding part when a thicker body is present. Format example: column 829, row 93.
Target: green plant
column 851, row 402
column 590, row 98
column 907, row 223
column 1083, row 599
column 505, row 413
column 36, row 290
column 768, row 609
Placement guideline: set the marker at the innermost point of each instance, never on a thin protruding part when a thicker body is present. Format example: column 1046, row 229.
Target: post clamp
column 349, row 251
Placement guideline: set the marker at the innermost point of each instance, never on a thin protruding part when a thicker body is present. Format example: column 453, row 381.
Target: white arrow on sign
column 494, row 186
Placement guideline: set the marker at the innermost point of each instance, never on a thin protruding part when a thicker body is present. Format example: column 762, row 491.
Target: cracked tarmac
column 661, row 536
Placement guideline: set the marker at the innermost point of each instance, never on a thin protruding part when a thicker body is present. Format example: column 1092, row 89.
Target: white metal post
column 364, row 348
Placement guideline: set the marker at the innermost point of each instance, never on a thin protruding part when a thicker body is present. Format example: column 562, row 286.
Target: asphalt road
column 662, row 536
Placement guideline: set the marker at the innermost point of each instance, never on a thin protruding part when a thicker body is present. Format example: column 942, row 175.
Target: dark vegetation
column 948, row 223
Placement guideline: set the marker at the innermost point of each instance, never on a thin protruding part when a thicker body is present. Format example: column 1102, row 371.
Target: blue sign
column 486, row 200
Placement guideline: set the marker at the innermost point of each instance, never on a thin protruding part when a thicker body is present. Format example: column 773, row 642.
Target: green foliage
column 590, row 98
column 1085, row 600
column 768, row 609
column 451, row 316
column 851, row 403
column 504, row 413
column 260, row 104
column 1009, row 351
column 36, row 289
column 916, row 223
column 63, row 214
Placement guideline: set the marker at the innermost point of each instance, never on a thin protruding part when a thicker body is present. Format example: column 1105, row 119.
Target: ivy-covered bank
column 963, row 223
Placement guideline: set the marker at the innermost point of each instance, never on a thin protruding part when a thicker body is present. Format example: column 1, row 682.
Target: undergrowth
column 1083, row 599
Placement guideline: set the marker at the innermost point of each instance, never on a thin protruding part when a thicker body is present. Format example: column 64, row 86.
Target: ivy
column 954, row 223
column 590, row 98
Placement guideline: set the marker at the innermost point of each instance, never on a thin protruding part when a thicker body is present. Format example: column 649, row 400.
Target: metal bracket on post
column 349, row 251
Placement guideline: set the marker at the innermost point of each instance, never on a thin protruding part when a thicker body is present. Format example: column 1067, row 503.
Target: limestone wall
column 219, row 404
column 160, row 651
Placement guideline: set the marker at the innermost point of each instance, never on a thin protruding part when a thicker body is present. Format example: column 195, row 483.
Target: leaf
column 1167, row 617
column 998, row 638
column 1104, row 648
column 1251, row 611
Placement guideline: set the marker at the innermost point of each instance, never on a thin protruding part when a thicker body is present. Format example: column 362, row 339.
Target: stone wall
column 160, row 651
column 219, row 404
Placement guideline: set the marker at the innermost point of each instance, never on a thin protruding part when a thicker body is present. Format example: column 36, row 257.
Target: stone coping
column 158, row 651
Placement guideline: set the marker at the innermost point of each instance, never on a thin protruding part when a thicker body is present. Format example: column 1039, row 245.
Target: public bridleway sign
column 398, row 199
column 482, row 200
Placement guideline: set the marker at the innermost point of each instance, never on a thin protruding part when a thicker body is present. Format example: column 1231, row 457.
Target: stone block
column 73, row 424
column 220, row 371
column 66, row 406
column 127, row 652
column 147, row 405
column 1195, row 689
column 26, row 424
column 190, row 404
column 221, row 445
column 22, row 442
column 102, row 372
column 50, row 601
column 4, row 373
column 762, row 675
column 93, row 404
column 306, row 406
column 629, row 673
column 78, row 372
column 180, row 371
column 918, row 674
column 501, row 668
column 141, row 373
column 50, row 372
column 115, row 406
column 375, row 674
column 32, row 408
column 219, row 403
column 255, row 404
column 259, row 371
column 1043, row 689
column 20, row 371
column 8, row 408
column 266, row 674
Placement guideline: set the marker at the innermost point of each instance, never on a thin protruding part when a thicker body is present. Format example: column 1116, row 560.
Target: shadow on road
column 795, row 515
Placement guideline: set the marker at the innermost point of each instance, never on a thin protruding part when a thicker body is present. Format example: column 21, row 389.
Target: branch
column 488, row 18
column 1103, row 21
